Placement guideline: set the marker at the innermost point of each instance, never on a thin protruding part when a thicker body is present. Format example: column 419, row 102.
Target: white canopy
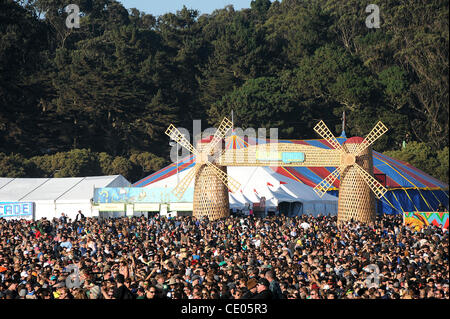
column 53, row 196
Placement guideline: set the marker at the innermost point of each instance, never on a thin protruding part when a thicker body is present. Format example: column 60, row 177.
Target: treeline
column 113, row 85
column 79, row 162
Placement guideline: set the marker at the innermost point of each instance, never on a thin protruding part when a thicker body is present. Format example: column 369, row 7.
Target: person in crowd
column 251, row 290
column 263, row 290
column 302, row 257
column 274, row 285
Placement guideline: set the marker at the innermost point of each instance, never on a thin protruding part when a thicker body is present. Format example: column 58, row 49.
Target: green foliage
column 12, row 165
column 77, row 162
column 113, row 85
column 80, row 162
column 253, row 104
column 442, row 170
column 105, row 161
column 42, row 166
column 121, row 165
column 299, row 28
column 147, row 162
column 395, row 83
column 422, row 156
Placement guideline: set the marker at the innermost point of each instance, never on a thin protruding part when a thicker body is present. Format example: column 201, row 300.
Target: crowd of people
column 276, row 257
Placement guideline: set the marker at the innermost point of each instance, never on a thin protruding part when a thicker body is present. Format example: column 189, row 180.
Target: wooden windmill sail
column 353, row 161
column 211, row 181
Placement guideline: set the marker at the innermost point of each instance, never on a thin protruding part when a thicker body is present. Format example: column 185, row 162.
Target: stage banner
column 17, row 210
column 418, row 220
column 131, row 195
column 111, row 207
column 146, row 207
column 186, row 207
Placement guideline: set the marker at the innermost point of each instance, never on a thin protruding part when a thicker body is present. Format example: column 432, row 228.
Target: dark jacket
column 265, row 294
column 276, row 290
column 122, row 292
column 247, row 295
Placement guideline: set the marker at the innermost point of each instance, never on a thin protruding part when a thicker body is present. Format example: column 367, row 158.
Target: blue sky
column 158, row 7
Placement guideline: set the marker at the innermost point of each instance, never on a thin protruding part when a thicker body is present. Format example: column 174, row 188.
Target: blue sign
column 140, row 195
column 289, row 157
column 285, row 157
column 16, row 210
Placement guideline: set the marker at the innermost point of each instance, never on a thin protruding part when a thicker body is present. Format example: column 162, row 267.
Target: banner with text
column 140, row 195
column 17, row 210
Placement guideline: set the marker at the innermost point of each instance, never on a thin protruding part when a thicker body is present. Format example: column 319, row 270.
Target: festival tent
column 258, row 182
column 255, row 183
column 53, row 196
column 309, row 202
column 409, row 189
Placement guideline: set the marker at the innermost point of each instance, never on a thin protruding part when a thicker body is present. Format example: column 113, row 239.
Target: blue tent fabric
column 397, row 201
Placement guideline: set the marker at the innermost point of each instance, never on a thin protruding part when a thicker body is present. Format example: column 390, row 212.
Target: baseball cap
column 264, row 282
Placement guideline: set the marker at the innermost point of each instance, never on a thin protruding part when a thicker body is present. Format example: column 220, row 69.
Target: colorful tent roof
column 399, row 174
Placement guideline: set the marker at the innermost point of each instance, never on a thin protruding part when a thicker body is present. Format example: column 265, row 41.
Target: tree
column 146, row 163
column 114, row 84
column 423, row 157
column 442, row 169
column 122, row 166
column 12, row 165
column 22, row 52
column 259, row 103
column 299, row 27
column 77, row 162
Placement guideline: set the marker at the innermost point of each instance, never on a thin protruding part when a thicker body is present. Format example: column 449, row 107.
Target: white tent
column 236, row 199
column 312, row 204
column 53, row 196
column 258, row 182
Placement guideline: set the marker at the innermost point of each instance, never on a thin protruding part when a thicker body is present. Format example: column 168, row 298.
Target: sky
column 159, row 7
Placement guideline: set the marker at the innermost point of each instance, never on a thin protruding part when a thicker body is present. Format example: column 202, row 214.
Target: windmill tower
column 357, row 184
column 353, row 162
column 211, row 181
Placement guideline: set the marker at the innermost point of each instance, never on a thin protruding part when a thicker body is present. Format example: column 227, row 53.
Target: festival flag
column 268, row 184
column 282, row 183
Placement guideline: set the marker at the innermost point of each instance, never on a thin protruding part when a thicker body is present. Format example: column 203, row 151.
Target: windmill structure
column 212, row 182
column 353, row 162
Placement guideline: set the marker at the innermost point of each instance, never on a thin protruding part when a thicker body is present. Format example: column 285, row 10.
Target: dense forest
column 97, row 99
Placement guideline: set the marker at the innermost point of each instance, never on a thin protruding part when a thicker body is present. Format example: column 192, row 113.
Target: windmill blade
column 229, row 182
column 182, row 186
column 221, row 132
column 326, row 134
column 378, row 130
column 176, row 135
column 374, row 185
column 327, row 182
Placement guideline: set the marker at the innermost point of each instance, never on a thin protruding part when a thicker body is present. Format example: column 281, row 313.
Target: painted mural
column 419, row 220
column 139, row 195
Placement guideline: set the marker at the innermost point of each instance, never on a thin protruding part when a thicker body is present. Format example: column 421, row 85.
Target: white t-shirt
column 305, row 225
